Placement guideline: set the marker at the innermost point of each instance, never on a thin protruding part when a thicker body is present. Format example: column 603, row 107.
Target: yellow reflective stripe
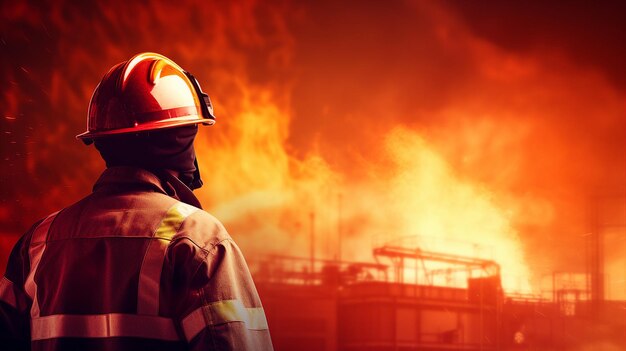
column 222, row 312
column 152, row 265
column 35, row 251
column 103, row 326
column 7, row 294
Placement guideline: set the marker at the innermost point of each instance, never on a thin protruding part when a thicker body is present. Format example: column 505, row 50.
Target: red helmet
column 147, row 92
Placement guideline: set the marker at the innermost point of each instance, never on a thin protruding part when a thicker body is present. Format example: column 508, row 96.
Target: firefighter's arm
column 14, row 303
column 223, row 310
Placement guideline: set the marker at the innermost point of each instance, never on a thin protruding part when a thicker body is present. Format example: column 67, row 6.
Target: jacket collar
column 134, row 178
column 114, row 177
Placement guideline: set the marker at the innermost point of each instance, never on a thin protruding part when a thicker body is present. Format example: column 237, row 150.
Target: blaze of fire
column 254, row 185
column 265, row 195
column 432, row 200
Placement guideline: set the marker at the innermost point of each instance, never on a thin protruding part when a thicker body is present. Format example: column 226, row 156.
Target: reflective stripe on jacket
column 130, row 268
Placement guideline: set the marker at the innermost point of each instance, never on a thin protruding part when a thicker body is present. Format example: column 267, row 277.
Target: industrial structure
column 410, row 299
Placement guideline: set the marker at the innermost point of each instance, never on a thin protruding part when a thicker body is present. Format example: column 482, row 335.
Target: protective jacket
column 130, row 267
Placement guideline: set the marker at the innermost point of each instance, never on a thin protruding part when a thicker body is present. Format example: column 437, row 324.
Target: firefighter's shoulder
column 200, row 227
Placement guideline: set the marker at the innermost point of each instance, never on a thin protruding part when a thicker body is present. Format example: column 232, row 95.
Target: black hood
column 165, row 149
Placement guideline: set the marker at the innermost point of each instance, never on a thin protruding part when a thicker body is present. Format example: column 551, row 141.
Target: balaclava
column 156, row 151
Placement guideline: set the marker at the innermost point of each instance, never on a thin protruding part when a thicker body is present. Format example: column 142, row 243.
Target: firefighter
column 137, row 264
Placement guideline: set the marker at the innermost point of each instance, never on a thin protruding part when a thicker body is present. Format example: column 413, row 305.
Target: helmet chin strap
column 196, row 182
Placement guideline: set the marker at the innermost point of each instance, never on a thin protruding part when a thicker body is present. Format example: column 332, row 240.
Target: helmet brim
column 88, row 136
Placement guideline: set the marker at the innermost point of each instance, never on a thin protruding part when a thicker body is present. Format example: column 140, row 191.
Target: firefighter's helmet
column 145, row 93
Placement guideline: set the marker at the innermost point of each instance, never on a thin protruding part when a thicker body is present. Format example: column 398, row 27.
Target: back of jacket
column 130, row 268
